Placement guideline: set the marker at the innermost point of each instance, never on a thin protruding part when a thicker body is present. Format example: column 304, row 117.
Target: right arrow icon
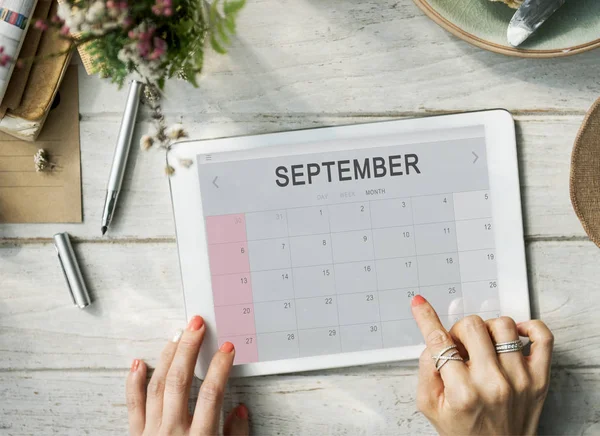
column 476, row 157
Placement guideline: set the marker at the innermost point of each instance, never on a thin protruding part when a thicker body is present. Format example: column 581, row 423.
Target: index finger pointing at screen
column 437, row 339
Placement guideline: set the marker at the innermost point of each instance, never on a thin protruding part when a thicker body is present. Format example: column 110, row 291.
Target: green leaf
column 199, row 59
column 214, row 12
column 216, row 46
column 223, row 32
column 230, row 23
column 222, row 26
column 190, row 74
column 233, row 6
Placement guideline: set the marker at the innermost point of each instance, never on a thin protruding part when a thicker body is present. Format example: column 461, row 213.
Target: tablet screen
column 320, row 251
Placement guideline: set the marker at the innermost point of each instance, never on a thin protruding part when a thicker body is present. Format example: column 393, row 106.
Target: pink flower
column 143, row 48
column 147, row 35
column 64, row 30
column 160, row 44
column 163, row 7
column 110, row 4
column 4, row 60
column 160, row 48
column 41, row 25
column 56, row 20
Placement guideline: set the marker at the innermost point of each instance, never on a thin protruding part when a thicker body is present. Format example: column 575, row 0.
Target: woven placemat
column 585, row 174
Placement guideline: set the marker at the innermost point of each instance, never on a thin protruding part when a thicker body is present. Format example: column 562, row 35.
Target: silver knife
column 531, row 15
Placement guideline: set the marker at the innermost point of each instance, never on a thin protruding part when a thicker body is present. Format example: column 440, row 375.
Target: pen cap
column 70, row 267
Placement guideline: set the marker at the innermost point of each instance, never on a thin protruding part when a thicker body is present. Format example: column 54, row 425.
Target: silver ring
column 509, row 347
column 444, row 359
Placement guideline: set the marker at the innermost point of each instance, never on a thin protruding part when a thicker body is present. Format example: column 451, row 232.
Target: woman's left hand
column 161, row 408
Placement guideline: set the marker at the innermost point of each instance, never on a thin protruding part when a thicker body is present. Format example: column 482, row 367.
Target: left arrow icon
column 215, row 181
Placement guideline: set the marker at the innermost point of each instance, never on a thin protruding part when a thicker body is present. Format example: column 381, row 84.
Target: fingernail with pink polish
column 227, row 347
column 195, row 323
column 417, row 301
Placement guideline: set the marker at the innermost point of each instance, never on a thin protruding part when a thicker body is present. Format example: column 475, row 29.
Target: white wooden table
column 295, row 64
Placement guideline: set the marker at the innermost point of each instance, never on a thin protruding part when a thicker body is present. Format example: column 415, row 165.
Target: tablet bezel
column 506, row 215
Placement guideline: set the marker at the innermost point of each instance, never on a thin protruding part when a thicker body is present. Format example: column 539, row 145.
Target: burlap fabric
column 585, row 174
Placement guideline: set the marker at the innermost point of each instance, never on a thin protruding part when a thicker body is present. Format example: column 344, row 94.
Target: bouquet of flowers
column 153, row 39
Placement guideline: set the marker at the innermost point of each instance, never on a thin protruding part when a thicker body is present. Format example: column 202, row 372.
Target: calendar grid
column 351, row 231
column 397, row 285
column 363, row 261
column 412, row 212
column 356, row 202
column 362, row 292
column 337, row 307
column 375, row 271
column 458, row 259
column 293, row 286
column 251, row 293
column 330, row 326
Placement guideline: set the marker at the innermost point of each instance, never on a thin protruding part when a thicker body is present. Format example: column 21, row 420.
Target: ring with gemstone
column 509, row 347
column 441, row 359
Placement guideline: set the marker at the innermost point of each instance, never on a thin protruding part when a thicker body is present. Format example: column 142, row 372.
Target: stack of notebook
column 33, row 88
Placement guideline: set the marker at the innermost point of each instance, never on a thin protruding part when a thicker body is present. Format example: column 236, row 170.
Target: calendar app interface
column 321, row 252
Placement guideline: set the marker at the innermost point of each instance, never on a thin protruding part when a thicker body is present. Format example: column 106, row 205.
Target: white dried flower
column 84, row 28
column 176, row 131
column 76, row 19
column 94, row 19
column 64, row 11
column 146, row 142
column 114, row 12
column 95, row 12
column 40, row 159
column 124, row 55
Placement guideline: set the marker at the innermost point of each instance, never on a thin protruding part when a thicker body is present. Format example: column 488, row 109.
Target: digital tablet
column 305, row 248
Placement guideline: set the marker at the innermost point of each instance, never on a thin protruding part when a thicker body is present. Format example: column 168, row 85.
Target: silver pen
column 121, row 153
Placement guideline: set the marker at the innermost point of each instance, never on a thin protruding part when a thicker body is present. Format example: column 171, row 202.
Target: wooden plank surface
column 374, row 400
column 145, row 212
column 379, row 57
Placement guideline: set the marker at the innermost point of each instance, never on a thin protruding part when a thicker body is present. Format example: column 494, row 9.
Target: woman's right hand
column 490, row 393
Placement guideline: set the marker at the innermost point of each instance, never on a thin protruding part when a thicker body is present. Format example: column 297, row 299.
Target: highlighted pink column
column 231, row 284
